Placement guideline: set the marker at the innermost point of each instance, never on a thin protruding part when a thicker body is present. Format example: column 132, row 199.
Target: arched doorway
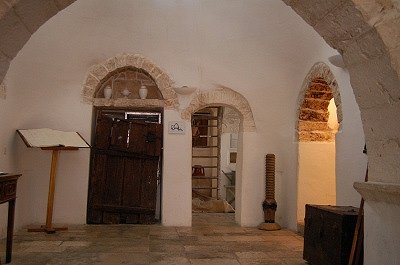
column 316, row 130
column 214, row 153
column 239, row 121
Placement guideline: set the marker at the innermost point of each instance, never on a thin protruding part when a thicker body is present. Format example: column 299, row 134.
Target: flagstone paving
column 214, row 239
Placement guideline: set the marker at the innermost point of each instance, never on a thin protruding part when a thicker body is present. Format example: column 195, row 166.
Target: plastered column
column 250, row 181
column 176, row 189
column 381, row 226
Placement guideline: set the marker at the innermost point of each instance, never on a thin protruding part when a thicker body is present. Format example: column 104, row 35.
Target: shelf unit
column 206, row 152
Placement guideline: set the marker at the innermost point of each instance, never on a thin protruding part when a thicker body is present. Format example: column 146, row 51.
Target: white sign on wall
column 176, row 127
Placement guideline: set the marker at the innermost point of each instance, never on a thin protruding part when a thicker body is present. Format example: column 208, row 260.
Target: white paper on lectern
column 48, row 137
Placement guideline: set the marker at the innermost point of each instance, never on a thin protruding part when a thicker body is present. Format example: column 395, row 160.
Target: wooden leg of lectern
column 48, row 228
column 52, row 184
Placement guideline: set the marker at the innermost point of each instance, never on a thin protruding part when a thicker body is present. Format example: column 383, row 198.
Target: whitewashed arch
column 99, row 72
column 223, row 96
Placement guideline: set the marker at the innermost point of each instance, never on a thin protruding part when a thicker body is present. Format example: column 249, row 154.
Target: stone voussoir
column 342, row 24
column 4, row 8
column 120, row 60
column 33, row 14
column 14, row 34
column 319, row 95
column 313, row 126
column 2, row 90
column 316, row 136
column 61, row 4
column 99, row 71
column 315, row 104
column 315, row 86
column 110, row 64
column 313, row 115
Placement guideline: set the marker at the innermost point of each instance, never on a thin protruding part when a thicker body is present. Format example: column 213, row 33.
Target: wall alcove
column 125, row 84
column 129, row 72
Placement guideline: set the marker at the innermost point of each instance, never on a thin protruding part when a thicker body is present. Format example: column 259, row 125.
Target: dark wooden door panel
column 153, row 139
column 137, row 138
column 103, row 132
column 145, row 138
column 111, row 218
column 149, row 184
column 132, row 182
column 114, row 180
column 96, row 188
column 123, row 181
column 119, row 134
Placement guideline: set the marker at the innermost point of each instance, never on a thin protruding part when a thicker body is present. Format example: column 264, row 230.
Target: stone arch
column 3, row 91
column 366, row 34
column 99, row 72
column 19, row 19
column 226, row 97
column 318, row 88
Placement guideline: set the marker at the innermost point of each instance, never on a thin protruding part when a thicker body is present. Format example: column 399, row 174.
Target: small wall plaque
column 176, row 127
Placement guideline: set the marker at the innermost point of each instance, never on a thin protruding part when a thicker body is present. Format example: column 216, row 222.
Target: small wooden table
column 8, row 193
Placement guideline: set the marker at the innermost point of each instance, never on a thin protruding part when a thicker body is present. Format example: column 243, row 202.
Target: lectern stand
column 55, row 141
column 48, row 227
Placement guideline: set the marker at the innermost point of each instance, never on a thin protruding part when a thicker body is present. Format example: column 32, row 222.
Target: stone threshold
column 379, row 191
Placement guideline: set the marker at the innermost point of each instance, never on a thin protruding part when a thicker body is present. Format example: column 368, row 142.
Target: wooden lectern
column 55, row 141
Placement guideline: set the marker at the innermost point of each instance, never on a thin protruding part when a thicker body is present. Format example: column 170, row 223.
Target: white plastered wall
column 177, row 174
column 260, row 49
column 317, row 170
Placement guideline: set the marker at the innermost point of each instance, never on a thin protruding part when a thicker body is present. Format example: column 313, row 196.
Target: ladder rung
column 204, row 156
column 209, row 166
column 207, row 136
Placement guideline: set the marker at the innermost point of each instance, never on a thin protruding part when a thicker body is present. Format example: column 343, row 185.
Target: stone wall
column 223, row 96
column 319, row 87
column 314, row 115
column 19, row 19
column 3, row 91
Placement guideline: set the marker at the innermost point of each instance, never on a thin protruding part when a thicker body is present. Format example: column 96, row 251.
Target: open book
column 48, row 138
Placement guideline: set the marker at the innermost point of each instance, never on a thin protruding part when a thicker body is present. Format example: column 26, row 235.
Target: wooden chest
column 328, row 234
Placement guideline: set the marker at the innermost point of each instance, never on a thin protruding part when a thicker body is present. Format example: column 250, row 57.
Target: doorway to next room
column 214, row 151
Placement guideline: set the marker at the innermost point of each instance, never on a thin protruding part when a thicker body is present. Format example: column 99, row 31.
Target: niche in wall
column 124, row 86
column 126, row 82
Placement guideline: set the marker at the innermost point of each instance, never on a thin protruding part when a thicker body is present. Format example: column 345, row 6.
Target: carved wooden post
column 269, row 204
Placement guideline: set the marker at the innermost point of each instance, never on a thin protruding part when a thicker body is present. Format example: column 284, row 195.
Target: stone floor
column 213, row 239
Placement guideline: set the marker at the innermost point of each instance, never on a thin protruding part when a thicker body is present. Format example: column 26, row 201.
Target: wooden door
column 124, row 171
